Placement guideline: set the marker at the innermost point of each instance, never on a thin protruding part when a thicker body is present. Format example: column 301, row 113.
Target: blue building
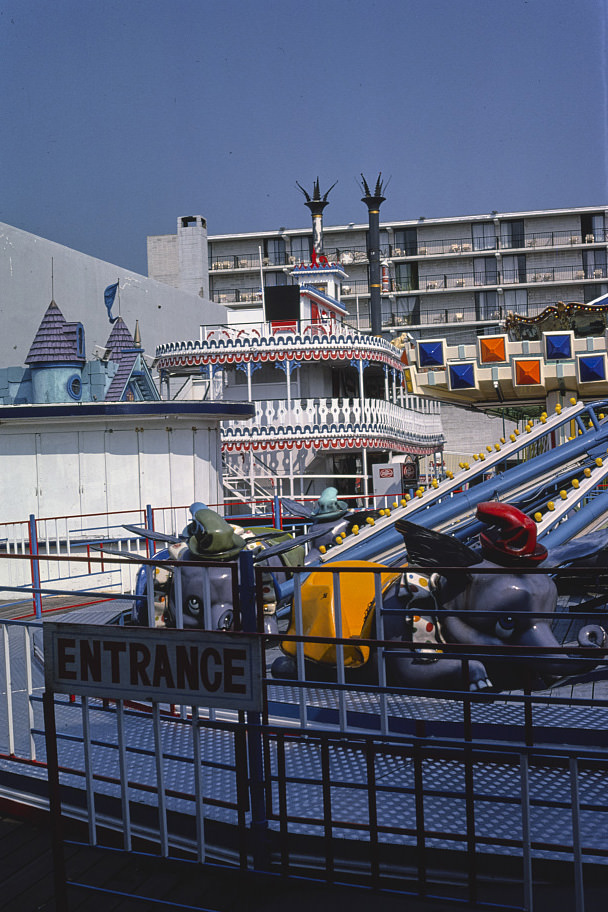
column 58, row 371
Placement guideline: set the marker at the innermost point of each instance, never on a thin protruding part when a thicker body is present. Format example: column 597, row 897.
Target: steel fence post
column 35, row 565
column 259, row 823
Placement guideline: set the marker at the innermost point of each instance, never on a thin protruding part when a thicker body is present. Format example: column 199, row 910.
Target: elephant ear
column 426, row 548
column 591, row 548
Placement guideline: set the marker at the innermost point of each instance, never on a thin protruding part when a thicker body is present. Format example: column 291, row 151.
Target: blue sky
column 119, row 115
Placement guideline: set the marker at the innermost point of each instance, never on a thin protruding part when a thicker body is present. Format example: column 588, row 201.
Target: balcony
column 445, row 247
column 318, row 422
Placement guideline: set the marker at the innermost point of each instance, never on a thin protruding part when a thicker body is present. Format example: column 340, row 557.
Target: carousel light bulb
column 551, row 505
column 576, row 483
column 563, row 495
column 538, row 517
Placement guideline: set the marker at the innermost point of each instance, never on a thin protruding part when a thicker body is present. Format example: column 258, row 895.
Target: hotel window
column 301, row 249
column 406, row 276
column 486, row 305
column 406, row 242
column 594, row 264
column 275, row 278
column 591, row 292
column 484, row 236
column 593, row 228
column 513, row 269
column 274, row 250
column 516, row 301
column 512, row 234
column 486, row 271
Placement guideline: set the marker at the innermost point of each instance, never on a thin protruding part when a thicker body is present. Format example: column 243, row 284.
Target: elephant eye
column 505, row 627
column 194, row 605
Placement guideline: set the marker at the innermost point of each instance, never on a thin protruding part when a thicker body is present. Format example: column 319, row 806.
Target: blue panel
column 592, row 368
column 558, row 347
column 430, row 354
column 462, row 376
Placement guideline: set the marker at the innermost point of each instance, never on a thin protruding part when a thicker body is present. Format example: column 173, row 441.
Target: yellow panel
column 357, row 596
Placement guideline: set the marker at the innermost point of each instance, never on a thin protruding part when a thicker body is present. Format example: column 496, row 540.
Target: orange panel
column 492, row 349
column 527, row 373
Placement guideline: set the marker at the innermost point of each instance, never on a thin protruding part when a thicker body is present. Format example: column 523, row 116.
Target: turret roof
column 56, row 339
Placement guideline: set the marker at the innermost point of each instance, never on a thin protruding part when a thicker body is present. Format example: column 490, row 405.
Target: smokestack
column 373, row 201
column 316, row 204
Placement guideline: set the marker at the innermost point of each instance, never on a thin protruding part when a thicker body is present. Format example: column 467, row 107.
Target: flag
column 108, row 296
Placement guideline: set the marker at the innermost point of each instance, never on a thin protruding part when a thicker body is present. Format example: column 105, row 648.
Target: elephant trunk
column 549, row 666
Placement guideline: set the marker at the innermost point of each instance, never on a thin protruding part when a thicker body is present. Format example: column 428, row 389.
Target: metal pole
column 52, row 761
column 35, row 566
column 259, row 823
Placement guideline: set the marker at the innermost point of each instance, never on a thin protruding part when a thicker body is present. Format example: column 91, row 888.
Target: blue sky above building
column 120, row 116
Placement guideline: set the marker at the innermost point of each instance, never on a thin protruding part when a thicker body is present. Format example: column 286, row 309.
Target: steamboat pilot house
column 329, row 400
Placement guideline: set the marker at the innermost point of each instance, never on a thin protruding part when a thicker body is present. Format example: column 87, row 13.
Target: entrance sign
column 197, row 667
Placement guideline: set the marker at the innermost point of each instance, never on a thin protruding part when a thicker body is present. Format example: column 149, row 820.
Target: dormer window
column 80, row 341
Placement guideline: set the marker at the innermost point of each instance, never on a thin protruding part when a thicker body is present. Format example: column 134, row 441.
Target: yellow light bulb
column 489, row 447
column 497, row 447
column 576, row 483
column 502, row 440
column 370, row 521
column 599, row 462
column 467, row 466
column 572, row 401
column 563, row 494
column 355, row 529
column 449, row 474
column 512, row 437
column 408, row 497
column 538, row 517
column 322, row 549
column 550, row 505
column 587, row 472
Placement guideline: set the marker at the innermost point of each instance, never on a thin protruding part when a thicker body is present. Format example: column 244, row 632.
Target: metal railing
column 357, row 254
column 340, row 773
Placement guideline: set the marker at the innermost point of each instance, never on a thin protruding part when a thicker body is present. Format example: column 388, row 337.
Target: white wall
column 63, row 466
column 165, row 314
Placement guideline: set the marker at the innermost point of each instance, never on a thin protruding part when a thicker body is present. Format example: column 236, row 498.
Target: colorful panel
column 430, row 354
column 461, row 376
column 592, row 368
column 527, row 373
column 492, row 349
column 558, row 346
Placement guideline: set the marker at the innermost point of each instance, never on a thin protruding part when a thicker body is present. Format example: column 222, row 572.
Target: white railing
column 262, row 339
column 316, row 418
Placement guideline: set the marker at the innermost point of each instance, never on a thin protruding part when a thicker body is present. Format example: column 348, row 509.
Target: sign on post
column 196, row 667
